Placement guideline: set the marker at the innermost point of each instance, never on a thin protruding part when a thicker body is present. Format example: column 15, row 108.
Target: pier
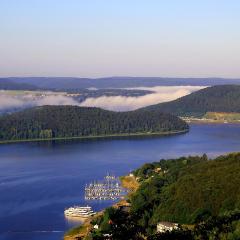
column 107, row 189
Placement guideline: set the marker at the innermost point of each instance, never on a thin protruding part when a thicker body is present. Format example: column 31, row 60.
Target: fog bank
column 121, row 103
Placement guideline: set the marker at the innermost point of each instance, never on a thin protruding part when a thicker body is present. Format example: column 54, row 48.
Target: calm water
column 38, row 180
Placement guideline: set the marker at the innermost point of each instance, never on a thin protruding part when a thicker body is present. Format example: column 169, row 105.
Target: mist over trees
column 225, row 98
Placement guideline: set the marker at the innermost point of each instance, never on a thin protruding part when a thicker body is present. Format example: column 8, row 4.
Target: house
column 166, row 226
column 96, row 226
column 157, row 170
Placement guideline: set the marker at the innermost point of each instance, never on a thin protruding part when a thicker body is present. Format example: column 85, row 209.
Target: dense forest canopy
column 225, row 98
column 187, row 190
column 72, row 121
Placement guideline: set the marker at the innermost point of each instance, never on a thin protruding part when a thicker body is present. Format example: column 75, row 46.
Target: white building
column 95, row 226
column 166, row 226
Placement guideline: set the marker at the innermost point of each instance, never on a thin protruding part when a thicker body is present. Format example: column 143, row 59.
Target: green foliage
column 73, row 121
column 216, row 228
column 119, row 224
column 222, row 98
column 174, row 235
column 187, row 190
column 224, row 227
column 220, row 227
column 47, row 133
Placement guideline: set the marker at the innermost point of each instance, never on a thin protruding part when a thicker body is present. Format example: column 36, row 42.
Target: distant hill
column 222, row 98
column 50, row 122
column 69, row 83
column 7, row 84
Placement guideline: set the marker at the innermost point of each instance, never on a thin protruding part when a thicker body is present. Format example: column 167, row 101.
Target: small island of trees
column 56, row 122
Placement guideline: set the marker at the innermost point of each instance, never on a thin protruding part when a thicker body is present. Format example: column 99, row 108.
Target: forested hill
column 118, row 82
column 72, row 121
column 6, row 84
column 188, row 190
column 225, row 98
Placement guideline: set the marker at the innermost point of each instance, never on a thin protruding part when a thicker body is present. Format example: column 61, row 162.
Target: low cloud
column 23, row 101
column 121, row 103
column 56, row 100
column 9, row 102
column 115, row 103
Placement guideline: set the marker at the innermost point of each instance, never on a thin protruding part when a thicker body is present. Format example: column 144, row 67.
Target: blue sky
column 94, row 38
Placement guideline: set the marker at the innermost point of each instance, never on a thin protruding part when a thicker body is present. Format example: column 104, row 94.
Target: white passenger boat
column 78, row 211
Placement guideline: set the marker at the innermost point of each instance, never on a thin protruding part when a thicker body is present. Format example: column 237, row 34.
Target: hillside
column 6, row 84
column 50, row 122
column 225, row 98
column 201, row 195
column 70, row 83
column 188, row 190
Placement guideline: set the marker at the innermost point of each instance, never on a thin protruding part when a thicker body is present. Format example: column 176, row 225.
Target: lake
column 39, row 180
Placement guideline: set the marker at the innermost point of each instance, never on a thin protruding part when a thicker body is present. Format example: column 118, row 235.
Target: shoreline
column 97, row 136
column 211, row 122
column 128, row 182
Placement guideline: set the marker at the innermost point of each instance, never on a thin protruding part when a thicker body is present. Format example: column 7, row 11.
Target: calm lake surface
column 39, row 180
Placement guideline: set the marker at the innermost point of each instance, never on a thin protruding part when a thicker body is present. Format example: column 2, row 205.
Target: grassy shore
column 212, row 121
column 215, row 117
column 128, row 182
column 98, row 136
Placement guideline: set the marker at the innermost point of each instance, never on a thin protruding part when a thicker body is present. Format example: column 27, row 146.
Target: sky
column 96, row 38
